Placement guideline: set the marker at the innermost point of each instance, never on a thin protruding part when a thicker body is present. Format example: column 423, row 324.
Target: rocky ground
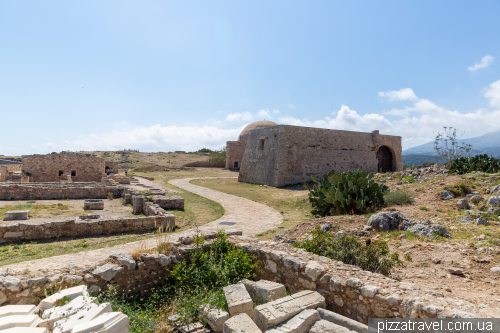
column 461, row 266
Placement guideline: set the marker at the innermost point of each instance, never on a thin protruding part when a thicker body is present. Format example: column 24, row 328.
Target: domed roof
column 256, row 125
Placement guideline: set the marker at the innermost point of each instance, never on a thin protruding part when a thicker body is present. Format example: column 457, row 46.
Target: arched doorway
column 384, row 159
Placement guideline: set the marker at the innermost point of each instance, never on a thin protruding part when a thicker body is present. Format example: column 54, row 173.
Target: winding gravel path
column 242, row 214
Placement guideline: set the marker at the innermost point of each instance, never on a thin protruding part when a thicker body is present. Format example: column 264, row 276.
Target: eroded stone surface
column 214, row 317
column 264, row 290
column 238, row 299
column 301, row 323
column 323, row 326
column 241, row 323
column 71, row 293
column 111, row 322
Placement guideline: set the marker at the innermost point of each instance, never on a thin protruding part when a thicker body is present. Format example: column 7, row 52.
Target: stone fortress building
column 280, row 155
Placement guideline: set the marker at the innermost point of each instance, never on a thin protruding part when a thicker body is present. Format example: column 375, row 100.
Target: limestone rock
column 325, row 227
column 446, row 195
column 11, row 283
column 342, row 321
column 462, row 204
column 214, row 317
column 241, row 323
column 66, row 324
column 476, row 199
column 314, row 269
column 494, row 201
column 264, row 291
column 19, row 321
column 80, row 303
column 26, row 330
column 480, row 221
column 108, row 322
column 107, row 271
column 71, row 293
column 13, row 310
column 124, row 259
column 456, row 271
column 238, row 299
column 301, row 323
column 274, row 313
column 495, row 269
column 323, row 326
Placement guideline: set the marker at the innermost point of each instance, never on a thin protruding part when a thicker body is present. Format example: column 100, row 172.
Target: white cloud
column 244, row 116
column 493, row 94
column 290, row 105
column 485, row 62
column 276, row 111
column 399, row 95
column 263, row 114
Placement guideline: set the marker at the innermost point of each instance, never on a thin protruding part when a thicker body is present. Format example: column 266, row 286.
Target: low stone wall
column 78, row 227
column 51, row 191
column 348, row 290
column 169, row 202
column 207, row 164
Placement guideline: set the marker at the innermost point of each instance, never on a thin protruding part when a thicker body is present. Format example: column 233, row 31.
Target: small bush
column 374, row 257
column 110, row 196
column 148, row 198
column 409, row 180
column 398, row 198
column 483, row 163
column 345, row 193
column 423, row 208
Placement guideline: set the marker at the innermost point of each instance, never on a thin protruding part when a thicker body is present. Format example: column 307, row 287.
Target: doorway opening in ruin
column 236, row 164
column 261, row 143
column 384, row 159
column 61, row 172
column 73, row 173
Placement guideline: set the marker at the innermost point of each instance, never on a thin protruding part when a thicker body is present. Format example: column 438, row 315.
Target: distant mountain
column 480, row 145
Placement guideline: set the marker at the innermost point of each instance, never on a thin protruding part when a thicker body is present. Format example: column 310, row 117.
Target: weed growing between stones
column 398, row 198
column 374, row 256
column 189, row 286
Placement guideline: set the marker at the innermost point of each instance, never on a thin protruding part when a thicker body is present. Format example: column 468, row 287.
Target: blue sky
column 182, row 75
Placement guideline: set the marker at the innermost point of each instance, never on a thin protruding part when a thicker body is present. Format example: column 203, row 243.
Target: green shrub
column 110, row 196
column 409, row 180
column 424, row 208
column 148, row 199
column 188, row 286
column 374, row 257
column 398, row 198
column 483, row 163
column 342, row 193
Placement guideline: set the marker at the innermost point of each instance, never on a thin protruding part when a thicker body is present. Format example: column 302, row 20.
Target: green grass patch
column 398, row 198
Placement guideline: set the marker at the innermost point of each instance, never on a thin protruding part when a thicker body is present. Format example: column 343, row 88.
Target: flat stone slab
column 301, row 323
column 12, row 215
column 214, row 317
column 81, row 303
column 241, row 323
column 264, row 291
column 324, row 326
column 274, row 313
column 26, row 330
column 340, row 320
column 93, row 311
column 19, row 321
column 238, row 299
column 112, row 322
column 12, row 310
column 71, row 293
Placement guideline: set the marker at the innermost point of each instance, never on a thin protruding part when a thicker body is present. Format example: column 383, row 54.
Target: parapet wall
column 206, row 164
column 77, row 228
column 348, row 290
column 51, row 191
column 234, row 153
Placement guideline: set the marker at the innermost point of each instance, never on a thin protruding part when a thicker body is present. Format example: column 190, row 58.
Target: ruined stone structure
column 284, row 155
column 57, row 167
column 58, row 191
column 235, row 149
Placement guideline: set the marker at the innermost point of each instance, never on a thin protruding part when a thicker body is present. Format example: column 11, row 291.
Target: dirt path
column 243, row 214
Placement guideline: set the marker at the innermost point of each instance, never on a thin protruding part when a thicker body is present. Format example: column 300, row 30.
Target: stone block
column 301, row 323
column 12, row 310
column 18, row 321
column 80, row 303
column 241, row 323
column 26, row 330
column 274, row 313
column 93, row 311
column 93, row 204
column 112, row 322
column 71, row 293
column 107, row 271
column 340, row 320
column 12, row 215
column 323, row 326
column 238, row 300
column 137, row 204
column 214, row 317
column 264, row 291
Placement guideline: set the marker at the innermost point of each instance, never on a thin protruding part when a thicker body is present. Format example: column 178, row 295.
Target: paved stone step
column 274, row 313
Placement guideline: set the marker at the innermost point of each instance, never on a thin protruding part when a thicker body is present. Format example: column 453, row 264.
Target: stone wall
column 112, row 165
column 206, row 164
column 348, row 290
column 14, row 167
column 77, row 227
column 48, row 168
column 234, row 153
column 285, row 155
column 52, row 191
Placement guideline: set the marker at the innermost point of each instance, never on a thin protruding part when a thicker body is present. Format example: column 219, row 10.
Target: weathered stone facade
column 234, row 154
column 57, row 167
column 284, row 155
column 52, row 191
column 83, row 227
